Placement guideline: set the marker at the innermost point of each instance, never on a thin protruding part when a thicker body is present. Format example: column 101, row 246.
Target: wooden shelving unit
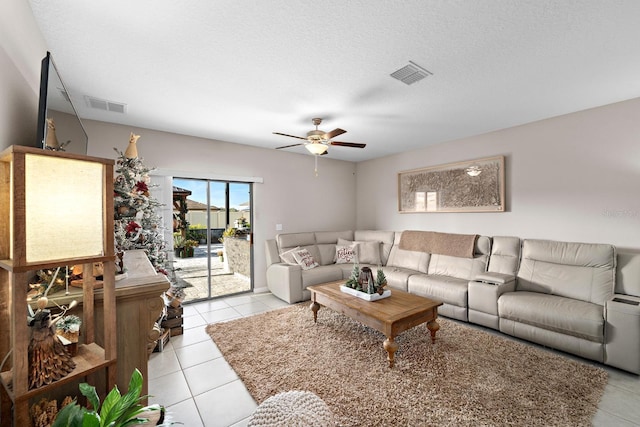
column 16, row 272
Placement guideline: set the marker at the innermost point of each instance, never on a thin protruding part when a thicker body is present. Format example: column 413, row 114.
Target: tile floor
column 192, row 379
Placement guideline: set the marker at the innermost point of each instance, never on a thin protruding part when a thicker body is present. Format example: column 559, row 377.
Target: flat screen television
column 55, row 110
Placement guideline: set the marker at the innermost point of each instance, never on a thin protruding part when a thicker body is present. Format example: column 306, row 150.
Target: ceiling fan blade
column 348, row 144
column 288, row 146
column 335, row 132
column 291, row 136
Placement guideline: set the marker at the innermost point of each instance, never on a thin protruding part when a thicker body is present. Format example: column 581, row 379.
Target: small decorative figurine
column 51, row 141
column 48, row 359
column 132, row 149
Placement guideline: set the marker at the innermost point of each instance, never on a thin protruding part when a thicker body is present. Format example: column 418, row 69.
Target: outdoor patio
column 192, row 273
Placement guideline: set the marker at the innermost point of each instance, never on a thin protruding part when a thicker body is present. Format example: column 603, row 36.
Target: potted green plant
column 178, row 244
column 116, row 411
column 188, row 249
column 228, row 232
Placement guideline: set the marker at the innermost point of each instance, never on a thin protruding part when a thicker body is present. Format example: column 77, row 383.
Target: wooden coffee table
column 391, row 316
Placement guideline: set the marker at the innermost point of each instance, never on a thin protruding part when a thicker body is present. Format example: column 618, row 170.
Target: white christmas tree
column 137, row 223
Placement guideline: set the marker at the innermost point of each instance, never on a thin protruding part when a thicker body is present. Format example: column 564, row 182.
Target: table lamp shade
column 64, row 208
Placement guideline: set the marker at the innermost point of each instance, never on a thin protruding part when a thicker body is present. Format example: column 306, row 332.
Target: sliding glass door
column 212, row 237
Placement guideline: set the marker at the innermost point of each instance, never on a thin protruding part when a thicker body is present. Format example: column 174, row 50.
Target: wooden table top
column 400, row 305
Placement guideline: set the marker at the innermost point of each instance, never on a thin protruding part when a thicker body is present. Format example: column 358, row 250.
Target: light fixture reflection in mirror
column 473, row 170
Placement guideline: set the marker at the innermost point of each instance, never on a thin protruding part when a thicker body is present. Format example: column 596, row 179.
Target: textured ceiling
column 239, row 70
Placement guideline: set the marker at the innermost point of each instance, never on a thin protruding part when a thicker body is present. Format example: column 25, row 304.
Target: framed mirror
column 59, row 126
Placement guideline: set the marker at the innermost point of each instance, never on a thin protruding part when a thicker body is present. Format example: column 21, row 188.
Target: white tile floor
column 199, row 388
column 192, row 379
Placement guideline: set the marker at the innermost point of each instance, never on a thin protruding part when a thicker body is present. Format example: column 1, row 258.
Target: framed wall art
column 470, row 186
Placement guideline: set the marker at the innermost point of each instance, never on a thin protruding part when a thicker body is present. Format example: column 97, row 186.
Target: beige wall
column 22, row 47
column 290, row 194
column 574, row 177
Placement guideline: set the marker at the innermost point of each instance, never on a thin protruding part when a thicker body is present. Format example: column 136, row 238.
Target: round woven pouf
column 292, row 408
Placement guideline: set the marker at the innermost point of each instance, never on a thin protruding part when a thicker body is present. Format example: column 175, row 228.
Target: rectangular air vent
column 411, row 73
column 64, row 94
column 104, row 105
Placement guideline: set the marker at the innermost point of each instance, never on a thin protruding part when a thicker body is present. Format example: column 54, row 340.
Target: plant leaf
column 70, row 416
column 91, row 419
column 109, row 412
column 89, row 392
column 127, row 407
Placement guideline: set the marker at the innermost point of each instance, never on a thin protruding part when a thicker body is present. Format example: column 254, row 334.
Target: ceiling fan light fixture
column 316, row 148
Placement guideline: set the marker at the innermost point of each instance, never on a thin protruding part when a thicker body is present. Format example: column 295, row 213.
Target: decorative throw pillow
column 366, row 252
column 345, row 254
column 305, row 260
column 287, row 257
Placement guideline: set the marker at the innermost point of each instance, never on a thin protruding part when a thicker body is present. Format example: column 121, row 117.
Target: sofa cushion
column 564, row 315
column 345, row 254
column 397, row 277
column 582, row 271
column 367, row 252
column 447, row 289
column 326, row 244
column 412, row 260
column 505, row 255
column 287, row 256
column 304, row 259
column 321, row 274
column 291, row 240
column 386, row 237
column 460, row 268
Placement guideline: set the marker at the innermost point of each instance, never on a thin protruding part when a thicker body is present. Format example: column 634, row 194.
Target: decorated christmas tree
column 137, row 223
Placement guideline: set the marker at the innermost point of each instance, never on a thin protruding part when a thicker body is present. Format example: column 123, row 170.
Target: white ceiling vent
column 104, row 105
column 411, row 73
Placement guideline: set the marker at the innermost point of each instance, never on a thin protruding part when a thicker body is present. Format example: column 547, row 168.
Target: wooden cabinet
column 139, row 304
column 44, row 189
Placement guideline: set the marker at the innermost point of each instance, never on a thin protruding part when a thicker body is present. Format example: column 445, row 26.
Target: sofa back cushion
column 460, row 268
column 412, row 260
column 505, row 255
column 386, row 237
column 326, row 243
column 628, row 274
column 291, row 240
column 306, row 241
column 583, row 271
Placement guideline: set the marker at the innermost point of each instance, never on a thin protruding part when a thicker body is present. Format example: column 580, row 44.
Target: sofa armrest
column 485, row 291
column 495, row 278
column 271, row 251
column 285, row 282
column 622, row 333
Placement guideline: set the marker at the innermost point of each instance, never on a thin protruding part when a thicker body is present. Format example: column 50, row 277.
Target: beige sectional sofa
column 576, row 297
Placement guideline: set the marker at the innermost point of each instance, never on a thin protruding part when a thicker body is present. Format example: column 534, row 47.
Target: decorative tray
column 365, row 296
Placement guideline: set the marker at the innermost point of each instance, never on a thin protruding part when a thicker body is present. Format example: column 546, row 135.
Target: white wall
column 22, row 47
column 290, row 194
column 574, row 177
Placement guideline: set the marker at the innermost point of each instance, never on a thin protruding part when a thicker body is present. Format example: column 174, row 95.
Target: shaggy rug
column 468, row 377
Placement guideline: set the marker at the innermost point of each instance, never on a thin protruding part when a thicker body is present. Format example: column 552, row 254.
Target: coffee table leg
column 391, row 346
column 315, row 307
column 433, row 327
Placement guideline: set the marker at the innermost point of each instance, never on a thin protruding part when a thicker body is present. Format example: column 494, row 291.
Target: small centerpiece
column 363, row 285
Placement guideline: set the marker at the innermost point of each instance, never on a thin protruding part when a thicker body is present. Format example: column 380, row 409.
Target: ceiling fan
column 319, row 141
